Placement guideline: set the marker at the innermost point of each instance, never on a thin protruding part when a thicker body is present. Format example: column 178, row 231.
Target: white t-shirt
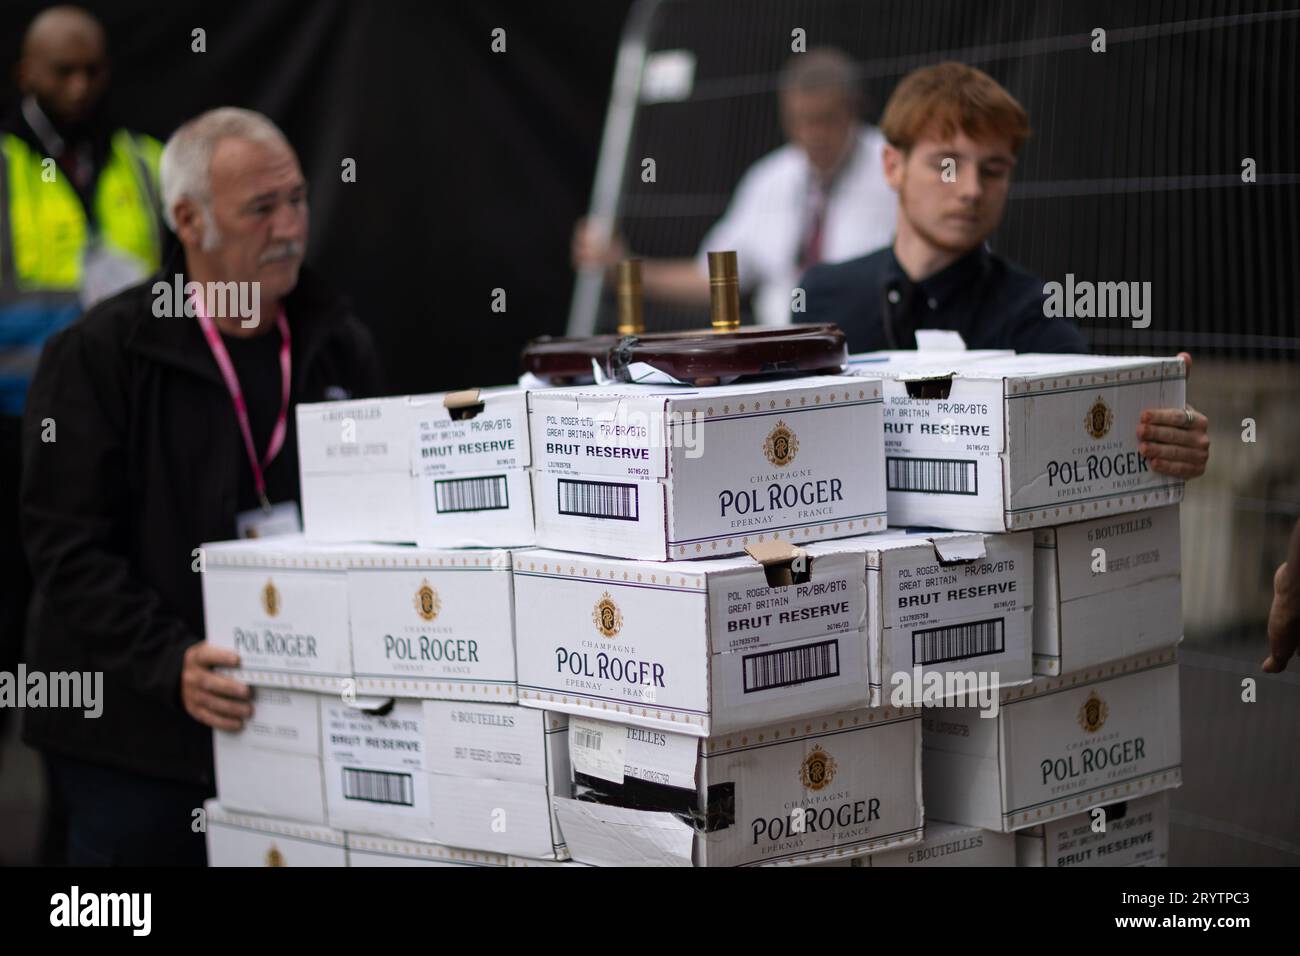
column 769, row 213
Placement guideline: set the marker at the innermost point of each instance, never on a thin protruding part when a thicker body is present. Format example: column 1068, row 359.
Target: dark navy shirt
column 992, row 303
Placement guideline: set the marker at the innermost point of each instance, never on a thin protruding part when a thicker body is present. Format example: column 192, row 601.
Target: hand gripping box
column 282, row 605
column 697, row 647
column 946, row 613
column 952, row 845
column 1106, row 588
column 1015, row 442
column 1136, row 834
column 432, row 623
column 372, row 851
column 377, row 767
column 670, row 472
column 820, row 789
column 442, row 470
column 273, row 766
column 245, row 839
column 493, row 771
column 1057, row 746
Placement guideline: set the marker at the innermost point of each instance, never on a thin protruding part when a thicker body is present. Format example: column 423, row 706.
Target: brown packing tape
column 778, row 559
column 462, row 399
column 773, row 552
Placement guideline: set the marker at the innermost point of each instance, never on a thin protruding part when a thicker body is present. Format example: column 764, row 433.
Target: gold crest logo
column 1100, row 418
column 1093, row 713
column 427, row 604
column 606, row 616
column 274, row 857
column 781, row 445
column 817, row 769
column 270, row 599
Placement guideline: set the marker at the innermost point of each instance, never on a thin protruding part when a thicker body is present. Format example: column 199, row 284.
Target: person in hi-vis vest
column 80, row 219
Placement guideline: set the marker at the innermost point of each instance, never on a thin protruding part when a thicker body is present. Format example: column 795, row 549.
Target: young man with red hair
column 952, row 134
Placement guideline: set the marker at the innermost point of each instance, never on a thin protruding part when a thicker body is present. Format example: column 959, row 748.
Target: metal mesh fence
column 1134, row 171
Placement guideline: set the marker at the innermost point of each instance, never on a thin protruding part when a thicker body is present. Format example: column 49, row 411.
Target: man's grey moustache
column 284, row 252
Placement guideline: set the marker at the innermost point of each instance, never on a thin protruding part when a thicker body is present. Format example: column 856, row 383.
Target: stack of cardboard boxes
column 386, row 727
column 632, row 624
column 1048, row 443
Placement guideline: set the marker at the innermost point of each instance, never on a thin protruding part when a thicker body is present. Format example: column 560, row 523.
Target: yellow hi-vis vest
column 47, row 229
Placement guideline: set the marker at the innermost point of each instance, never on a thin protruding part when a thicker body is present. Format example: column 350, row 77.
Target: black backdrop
column 471, row 165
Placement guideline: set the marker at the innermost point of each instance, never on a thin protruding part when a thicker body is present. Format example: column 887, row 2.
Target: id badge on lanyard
column 268, row 520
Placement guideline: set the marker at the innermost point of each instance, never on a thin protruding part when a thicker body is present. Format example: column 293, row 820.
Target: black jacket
column 144, row 467
column 993, row 303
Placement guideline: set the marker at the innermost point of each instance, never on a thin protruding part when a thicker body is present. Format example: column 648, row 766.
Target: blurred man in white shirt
column 820, row 198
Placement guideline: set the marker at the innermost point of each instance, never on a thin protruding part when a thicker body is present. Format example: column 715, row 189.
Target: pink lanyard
column 237, row 395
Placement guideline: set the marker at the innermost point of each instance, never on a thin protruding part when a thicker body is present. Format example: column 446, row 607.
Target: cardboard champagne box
column 432, row 622
column 1007, row 443
column 1057, row 746
column 493, row 771
column 1106, row 588
column 273, row 766
column 670, row 472
column 818, row 790
column 952, row 844
column 441, row 470
column 377, row 768
column 282, row 605
column 948, row 614
column 245, row 839
column 1136, row 834
column 697, row 647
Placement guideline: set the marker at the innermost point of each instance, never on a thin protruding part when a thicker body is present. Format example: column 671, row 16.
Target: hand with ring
column 1174, row 441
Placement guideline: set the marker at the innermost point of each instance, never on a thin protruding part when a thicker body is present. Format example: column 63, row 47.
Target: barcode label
column 795, row 665
column 940, row 475
column 586, row 738
column 598, row 499
column 471, row 494
column 958, row 641
column 378, row 786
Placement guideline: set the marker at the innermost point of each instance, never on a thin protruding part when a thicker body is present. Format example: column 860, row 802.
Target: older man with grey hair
column 161, row 419
column 822, row 197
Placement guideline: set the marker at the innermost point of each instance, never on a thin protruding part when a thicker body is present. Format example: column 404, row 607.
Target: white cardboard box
column 1137, row 834
column 944, row 603
column 493, row 770
column 377, row 768
column 413, row 469
column 1057, row 746
column 244, row 839
column 660, row 472
column 373, row 851
column 282, row 605
column 1014, row 442
column 826, row 788
column 1083, row 617
column 273, row 766
column 697, row 647
column 952, row 844
column 432, row 623
column 355, row 466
